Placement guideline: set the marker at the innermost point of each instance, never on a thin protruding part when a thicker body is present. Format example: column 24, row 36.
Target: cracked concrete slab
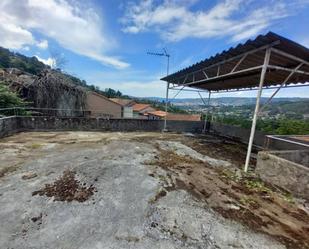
column 122, row 213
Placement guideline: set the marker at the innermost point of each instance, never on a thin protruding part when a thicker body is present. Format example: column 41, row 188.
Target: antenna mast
column 167, row 84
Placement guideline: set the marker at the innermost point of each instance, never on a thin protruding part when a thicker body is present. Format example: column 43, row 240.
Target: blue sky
column 105, row 42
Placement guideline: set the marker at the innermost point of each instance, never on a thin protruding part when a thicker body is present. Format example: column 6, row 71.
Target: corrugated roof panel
column 245, row 79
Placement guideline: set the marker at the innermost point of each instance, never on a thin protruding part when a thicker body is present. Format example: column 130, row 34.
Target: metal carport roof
column 240, row 66
column 266, row 62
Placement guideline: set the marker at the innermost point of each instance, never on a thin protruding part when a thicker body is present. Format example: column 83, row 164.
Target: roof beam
column 282, row 84
column 225, row 75
column 239, row 62
column 288, row 69
column 205, row 74
column 277, row 51
column 218, row 77
column 192, row 89
column 232, row 58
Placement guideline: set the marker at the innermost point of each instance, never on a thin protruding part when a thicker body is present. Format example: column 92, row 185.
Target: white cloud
column 13, row 36
column 74, row 27
column 42, row 44
column 26, row 48
column 49, row 61
column 238, row 19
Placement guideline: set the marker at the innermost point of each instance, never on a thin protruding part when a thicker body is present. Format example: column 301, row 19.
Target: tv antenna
column 167, row 84
column 163, row 54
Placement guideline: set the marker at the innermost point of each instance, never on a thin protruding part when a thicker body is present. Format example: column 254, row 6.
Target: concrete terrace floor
column 148, row 190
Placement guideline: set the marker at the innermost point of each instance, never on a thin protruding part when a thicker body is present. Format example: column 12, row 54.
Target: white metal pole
column 257, row 104
column 166, row 100
column 166, row 97
column 206, row 116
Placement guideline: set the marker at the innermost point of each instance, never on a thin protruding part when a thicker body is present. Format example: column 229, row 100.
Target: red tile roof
column 183, row 117
column 140, row 107
column 176, row 116
column 158, row 113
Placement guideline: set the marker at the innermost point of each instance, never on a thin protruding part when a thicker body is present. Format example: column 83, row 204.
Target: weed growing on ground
column 289, row 198
column 35, row 146
column 256, row 185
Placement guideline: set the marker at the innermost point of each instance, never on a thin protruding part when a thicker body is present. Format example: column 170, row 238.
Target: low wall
column 183, row 126
column 85, row 124
column 286, row 169
column 284, row 143
column 11, row 125
column 8, row 126
column 238, row 133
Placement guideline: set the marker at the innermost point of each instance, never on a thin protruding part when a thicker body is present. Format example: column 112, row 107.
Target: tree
column 4, row 58
column 8, row 98
column 110, row 93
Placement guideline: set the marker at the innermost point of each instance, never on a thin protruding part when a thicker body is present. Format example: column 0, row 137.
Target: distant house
column 157, row 115
column 126, row 104
column 101, row 106
column 306, row 116
column 183, row 117
column 142, row 110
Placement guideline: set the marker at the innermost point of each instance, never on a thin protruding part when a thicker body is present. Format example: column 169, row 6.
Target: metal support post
column 206, row 116
column 166, row 103
column 282, row 85
column 257, row 104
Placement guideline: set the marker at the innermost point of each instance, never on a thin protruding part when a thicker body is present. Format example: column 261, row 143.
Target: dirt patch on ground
column 67, row 188
column 217, row 147
column 241, row 197
column 209, row 145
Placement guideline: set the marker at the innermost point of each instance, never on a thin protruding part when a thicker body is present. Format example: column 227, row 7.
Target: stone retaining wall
column 287, row 169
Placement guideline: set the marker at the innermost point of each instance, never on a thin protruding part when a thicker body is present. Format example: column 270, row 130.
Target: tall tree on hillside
column 4, row 58
column 8, row 98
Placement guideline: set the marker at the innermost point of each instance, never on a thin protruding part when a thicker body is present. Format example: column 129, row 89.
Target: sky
column 106, row 42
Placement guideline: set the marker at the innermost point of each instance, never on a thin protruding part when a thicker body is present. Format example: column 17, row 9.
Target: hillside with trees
column 10, row 59
column 9, row 98
column 36, row 68
column 282, row 126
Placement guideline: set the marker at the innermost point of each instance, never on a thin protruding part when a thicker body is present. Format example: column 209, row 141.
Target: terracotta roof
column 123, row 102
column 176, row 116
column 158, row 113
column 140, row 107
column 183, row 117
